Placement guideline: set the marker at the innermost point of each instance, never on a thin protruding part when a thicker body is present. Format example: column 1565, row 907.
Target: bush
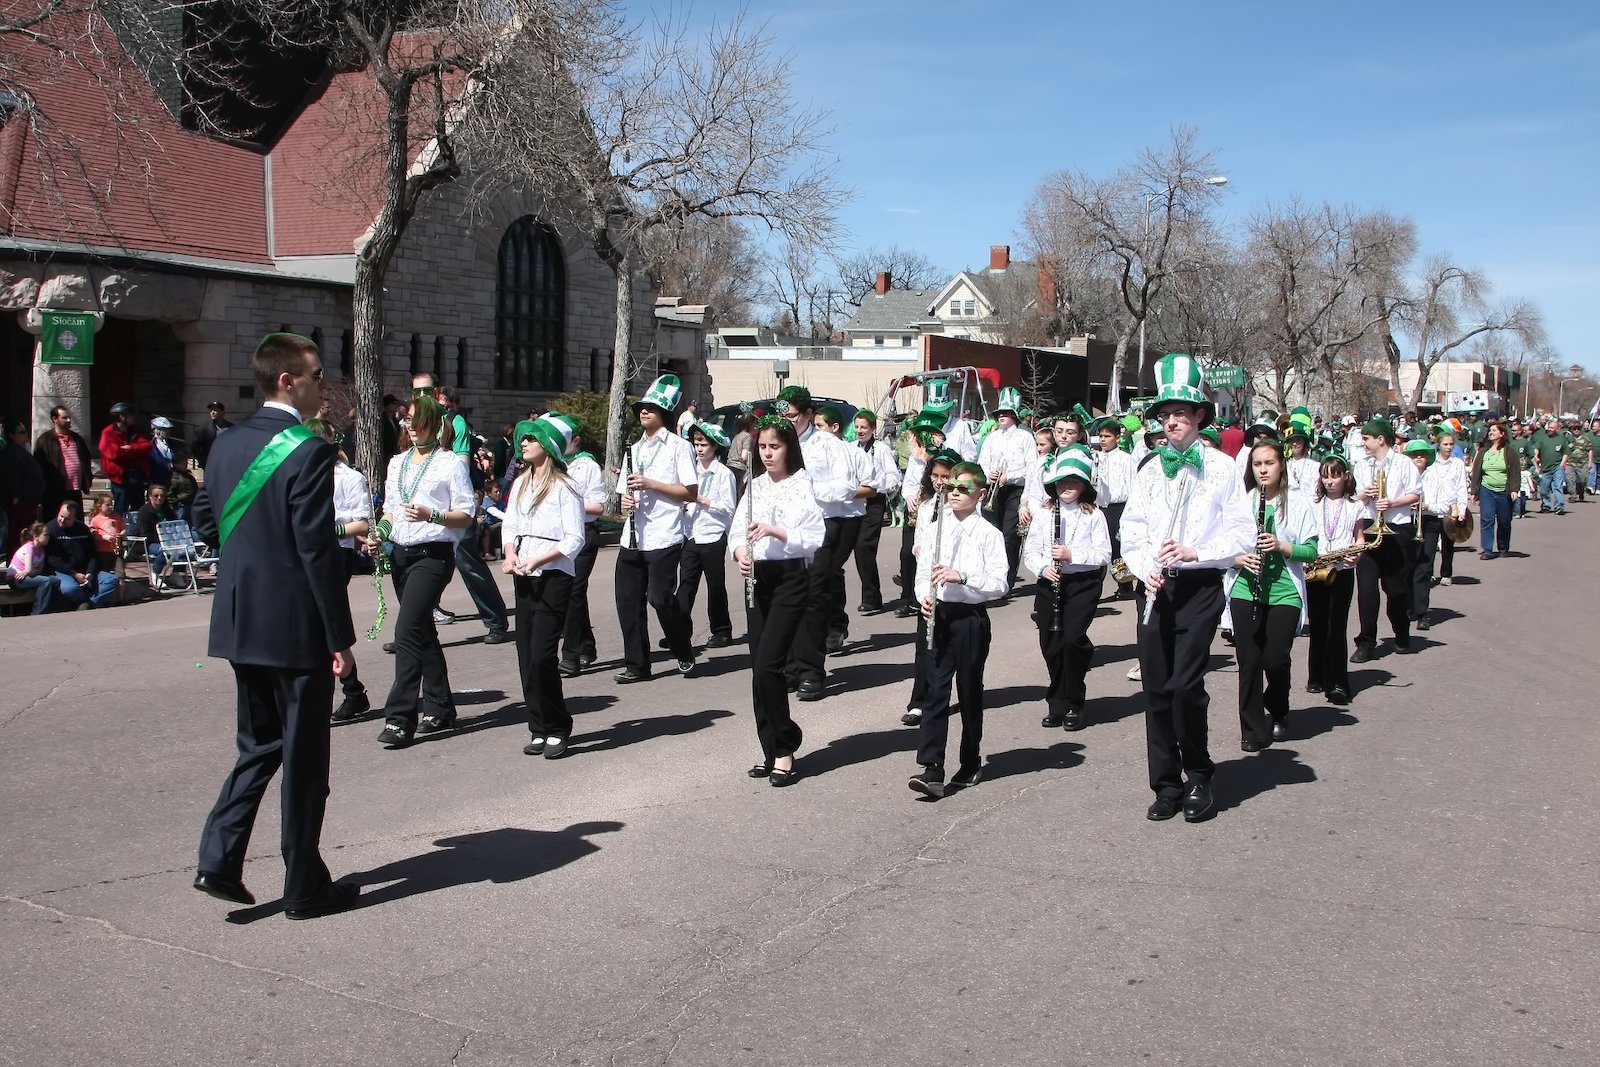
column 590, row 408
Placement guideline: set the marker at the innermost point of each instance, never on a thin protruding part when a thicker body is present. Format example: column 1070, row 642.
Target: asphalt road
column 1409, row 881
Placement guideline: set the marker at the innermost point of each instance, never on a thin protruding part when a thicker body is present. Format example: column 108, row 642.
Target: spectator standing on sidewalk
column 63, row 456
column 23, row 479
column 125, row 458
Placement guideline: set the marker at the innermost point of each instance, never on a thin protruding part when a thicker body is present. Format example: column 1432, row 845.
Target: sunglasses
column 964, row 488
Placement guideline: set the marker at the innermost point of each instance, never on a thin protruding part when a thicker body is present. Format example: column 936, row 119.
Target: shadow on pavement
column 1313, row 722
column 1436, row 615
column 857, row 748
column 479, row 696
column 1057, row 757
column 866, row 676
column 1114, row 709
column 1245, row 779
column 633, row 731
column 1012, row 695
column 1369, row 678
column 1104, row 654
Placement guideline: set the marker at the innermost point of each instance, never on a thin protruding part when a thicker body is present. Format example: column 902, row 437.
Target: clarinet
column 1060, row 584
column 632, row 521
column 1261, row 525
column 938, row 539
column 749, row 521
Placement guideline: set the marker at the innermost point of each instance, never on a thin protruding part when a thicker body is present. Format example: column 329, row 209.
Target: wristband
column 384, row 528
column 338, row 530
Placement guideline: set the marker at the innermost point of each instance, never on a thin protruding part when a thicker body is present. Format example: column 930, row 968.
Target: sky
column 1479, row 121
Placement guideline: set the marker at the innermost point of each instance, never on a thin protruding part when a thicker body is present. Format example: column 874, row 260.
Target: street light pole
column 1561, row 391
column 1149, row 206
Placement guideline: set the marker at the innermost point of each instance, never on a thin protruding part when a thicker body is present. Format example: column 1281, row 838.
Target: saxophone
column 1322, row 568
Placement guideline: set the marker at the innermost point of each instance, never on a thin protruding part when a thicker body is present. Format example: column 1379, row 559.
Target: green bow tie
column 1173, row 461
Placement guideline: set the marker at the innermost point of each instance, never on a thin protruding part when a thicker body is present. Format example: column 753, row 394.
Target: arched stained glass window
column 530, row 309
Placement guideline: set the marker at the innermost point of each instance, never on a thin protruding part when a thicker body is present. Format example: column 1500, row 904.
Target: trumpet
column 1120, row 572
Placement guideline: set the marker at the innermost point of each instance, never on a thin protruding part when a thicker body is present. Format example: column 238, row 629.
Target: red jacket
column 123, row 451
column 1231, row 440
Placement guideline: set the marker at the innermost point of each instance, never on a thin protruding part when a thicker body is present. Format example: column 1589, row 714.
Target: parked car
column 728, row 415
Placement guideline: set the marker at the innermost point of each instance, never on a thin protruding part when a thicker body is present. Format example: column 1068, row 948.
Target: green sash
column 267, row 461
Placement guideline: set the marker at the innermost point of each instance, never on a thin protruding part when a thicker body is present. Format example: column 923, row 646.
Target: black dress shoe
column 497, row 637
column 835, row 643
column 965, row 778
column 534, row 747
column 1313, row 687
column 1073, row 720
column 568, row 669
column 760, row 770
column 1051, row 721
column 388, row 646
column 434, row 723
column 868, row 609
column 719, row 641
column 1402, row 646
column 1280, row 729
column 686, row 667
column 341, row 896
column 904, row 611
column 1361, row 654
column 555, row 747
column 394, row 737
column 912, row 717
column 929, row 782
column 791, row 683
column 352, row 707
column 1249, row 744
column 230, row 889
column 663, row 643
column 1165, row 807
column 629, row 675
column 1422, row 624
column 585, row 662
column 777, row 778
column 1339, row 695
column 811, row 690
column 1198, row 804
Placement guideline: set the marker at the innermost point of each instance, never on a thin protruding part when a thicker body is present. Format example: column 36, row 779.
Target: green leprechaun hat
column 937, row 396
column 553, row 434
column 664, row 393
column 1299, row 424
column 1074, row 461
column 713, row 432
column 1179, row 381
column 1010, row 402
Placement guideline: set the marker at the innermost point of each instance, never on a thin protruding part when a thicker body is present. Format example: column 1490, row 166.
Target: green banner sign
column 67, row 337
column 1225, row 376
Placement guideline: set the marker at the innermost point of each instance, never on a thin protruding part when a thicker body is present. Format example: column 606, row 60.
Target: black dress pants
column 908, row 562
column 1067, row 651
column 960, row 648
column 650, row 580
column 1004, row 504
column 542, row 601
column 355, row 563
column 1433, row 544
column 578, row 638
column 711, row 561
column 1263, row 640
column 809, row 651
column 919, row 668
column 781, row 588
column 1388, row 567
column 866, row 553
column 1174, row 651
column 1328, row 622
column 838, row 620
column 421, row 573
column 283, row 718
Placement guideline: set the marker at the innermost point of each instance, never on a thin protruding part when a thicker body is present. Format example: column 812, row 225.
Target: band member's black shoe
column 352, row 707
column 791, row 683
column 1339, row 695
column 965, row 778
column 930, row 782
column 1422, row 624
column 811, row 690
column 777, row 778
column 568, row 669
column 1250, row 745
column 663, row 643
column 394, row 737
column 1074, row 719
column 1051, row 721
column 534, row 747
column 912, row 717
column 630, row 675
column 1313, row 687
column 388, row 646
column 585, row 662
column 760, row 770
column 555, row 747
column 685, row 667
column 905, row 611
column 1198, row 804
column 497, row 637
column 1402, row 645
column 719, row 641
column 230, row 889
column 1361, row 654
column 1280, row 729
column 835, row 642
column 868, row 609
column 341, row 896
column 1164, row 808
column 432, row 724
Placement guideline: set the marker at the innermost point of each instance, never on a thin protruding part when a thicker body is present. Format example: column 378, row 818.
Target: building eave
column 38, row 251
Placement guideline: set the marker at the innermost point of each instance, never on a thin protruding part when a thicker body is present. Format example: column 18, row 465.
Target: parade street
column 1409, row 880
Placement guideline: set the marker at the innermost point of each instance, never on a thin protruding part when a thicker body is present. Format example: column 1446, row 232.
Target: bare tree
column 707, row 261
column 907, row 269
column 801, row 298
column 1139, row 223
column 1037, row 384
column 676, row 128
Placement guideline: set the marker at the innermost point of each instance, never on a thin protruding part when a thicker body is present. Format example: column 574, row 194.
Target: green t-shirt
column 1494, row 470
column 462, row 444
column 1550, row 449
column 1275, row 571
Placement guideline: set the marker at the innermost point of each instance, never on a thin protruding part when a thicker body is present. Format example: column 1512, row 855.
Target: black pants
column 282, row 721
column 960, row 647
column 1068, row 651
column 1389, row 567
column 649, row 580
column 578, row 639
column 541, row 613
column 1004, row 503
column 781, row 587
column 1263, row 638
column 866, row 553
column 420, row 574
column 1433, row 543
column 849, row 534
column 908, row 563
column 480, row 583
column 810, row 643
column 1328, row 621
column 920, row 662
column 712, row 561
column 356, row 564
column 1113, row 514
column 1174, row 651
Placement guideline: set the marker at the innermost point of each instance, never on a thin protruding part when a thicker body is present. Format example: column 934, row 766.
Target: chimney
column 881, row 286
column 1048, row 296
column 999, row 257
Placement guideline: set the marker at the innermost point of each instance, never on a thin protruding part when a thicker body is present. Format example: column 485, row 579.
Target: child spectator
column 26, row 571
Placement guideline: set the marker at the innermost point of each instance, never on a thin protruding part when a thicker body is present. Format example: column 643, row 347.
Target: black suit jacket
column 47, row 450
column 280, row 599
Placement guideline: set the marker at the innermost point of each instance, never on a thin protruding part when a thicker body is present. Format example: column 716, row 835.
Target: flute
column 938, row 538
column 1172, row 525
column 749, row 521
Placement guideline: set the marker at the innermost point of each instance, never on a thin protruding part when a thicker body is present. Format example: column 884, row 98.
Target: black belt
column 780, row 564
column 428, row 549
column 950, row 609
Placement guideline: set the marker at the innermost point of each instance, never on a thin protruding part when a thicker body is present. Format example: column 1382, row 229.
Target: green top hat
column 712, row 431
column 1212, row 434
column 554, row 435
column 924, row 421
column 936, row 396
column 664, row 393
column 1152, row 430
column 1074, row 461
column 1179, row 381
column 1010, row 402
column 574, row 429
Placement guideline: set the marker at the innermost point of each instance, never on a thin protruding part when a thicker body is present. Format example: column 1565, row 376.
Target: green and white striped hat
column 1179, row 381
column 712, row 431
column 1074, row 461
column 1010, row 402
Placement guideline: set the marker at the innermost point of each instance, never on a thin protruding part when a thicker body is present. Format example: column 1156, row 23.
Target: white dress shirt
column 911, row 480
column 974, row 547
column 1294, row 522
column 1402, row 480
column 1113, row 476
column 441, row 482
column 791, row 506
column 1304, row 474
column 885, row 475
column 1215, row 521
column 1444, row 486
column 861, row 471
column 1336, row 525
column 589, row 481
column 658, row 519
column 834, row 473
column 1008, row 452
column 706, row 524
column 351, row 501
column 1034, row 496
column 556, row 522
column 958, row 438
column 1084, row 532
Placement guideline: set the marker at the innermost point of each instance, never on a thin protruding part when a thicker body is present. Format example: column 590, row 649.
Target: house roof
column 1001, row 287
column 895, row 311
